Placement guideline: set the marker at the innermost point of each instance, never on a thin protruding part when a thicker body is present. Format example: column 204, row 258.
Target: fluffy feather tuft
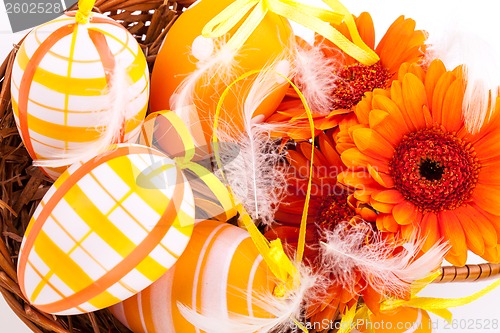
column 215, row 63
column 255, row 175
column 284, row 311
column 110, row 123
column 481, row 71
column 346, row 251
column 315, row 77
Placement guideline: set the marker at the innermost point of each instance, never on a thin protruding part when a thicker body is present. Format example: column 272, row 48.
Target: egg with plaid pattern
column 72, row 82
column 107, row 228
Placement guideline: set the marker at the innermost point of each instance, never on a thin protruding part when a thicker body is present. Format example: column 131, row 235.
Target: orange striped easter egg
column 68, row 79
column 400, row 320
column 185, row 50
column 221, row 274
column 105, row 230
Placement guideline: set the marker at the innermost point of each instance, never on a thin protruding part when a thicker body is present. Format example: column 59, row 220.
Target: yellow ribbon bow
column 316, row 19
column 218, row 201
column 84, row 9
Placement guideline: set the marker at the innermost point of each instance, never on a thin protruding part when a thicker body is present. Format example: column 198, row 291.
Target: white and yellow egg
column 62, row 80
column 108, row 228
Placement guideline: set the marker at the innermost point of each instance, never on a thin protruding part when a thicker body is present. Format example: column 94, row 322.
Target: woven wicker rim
column 23, row 186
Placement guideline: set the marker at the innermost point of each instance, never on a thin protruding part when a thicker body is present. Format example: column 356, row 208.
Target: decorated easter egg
column 401, row 320
column 185, row 51
column 220, row 275
column 105, row 230
column 72, row 83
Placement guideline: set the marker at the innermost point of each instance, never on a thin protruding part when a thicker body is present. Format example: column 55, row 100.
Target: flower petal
column 429, row 231
column 438, row 107
column 387, row 126
column 397, row 97
column 305, row 149
column 487, row 198
column 415, row 98
column 492, row 254
column 452, row 119
column 328, row 150
column 366, row 29
column 399, row 38
column 372, row 299
column 435, row 71
column 405, row 213
column 298, row 161
column 488, row 149
column 381, row 207
column 380, row 177
column 473, row 236
column 386, row 222
column 488, row 224
column 389, row 196
column 453, row 232
column 370, row 142
column 408, row 230
column 355, row 179
column 354, row 158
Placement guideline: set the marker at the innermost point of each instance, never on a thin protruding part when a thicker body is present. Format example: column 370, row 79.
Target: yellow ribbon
column 438, row 306
column 219, row 190
column 84, row 9
column 314, row 18
column 272, row 252
column 347, row 320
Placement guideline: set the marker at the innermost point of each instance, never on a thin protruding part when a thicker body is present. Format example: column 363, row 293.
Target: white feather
column 315, row 76
column 481, row 71
column 215, row 64
column 284, row 312
column 345, row 251
column 109, row 122
column 253, row 175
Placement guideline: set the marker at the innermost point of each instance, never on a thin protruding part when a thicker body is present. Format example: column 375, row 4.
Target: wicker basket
column 23, row 186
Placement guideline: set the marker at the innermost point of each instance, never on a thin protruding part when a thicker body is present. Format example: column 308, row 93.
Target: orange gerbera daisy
column 400, row 44
column 329, row 205
column 412, row 159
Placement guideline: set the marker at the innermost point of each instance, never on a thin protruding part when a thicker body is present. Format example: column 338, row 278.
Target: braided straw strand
column 468, row 273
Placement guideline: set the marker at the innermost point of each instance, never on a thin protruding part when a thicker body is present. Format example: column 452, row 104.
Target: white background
column 479, row 17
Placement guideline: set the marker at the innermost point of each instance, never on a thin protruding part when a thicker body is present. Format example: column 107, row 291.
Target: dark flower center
column 434, row 169
column 334, row 209
column 431, row 170
column 355, row 80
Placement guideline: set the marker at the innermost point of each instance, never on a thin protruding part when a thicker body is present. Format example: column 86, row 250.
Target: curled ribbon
column 438, row 306
column 311, row 17
column 84, row 10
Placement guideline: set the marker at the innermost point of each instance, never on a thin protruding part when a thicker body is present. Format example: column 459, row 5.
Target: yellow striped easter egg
column 221, row 274
column 105, row 230
column 68, row 82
